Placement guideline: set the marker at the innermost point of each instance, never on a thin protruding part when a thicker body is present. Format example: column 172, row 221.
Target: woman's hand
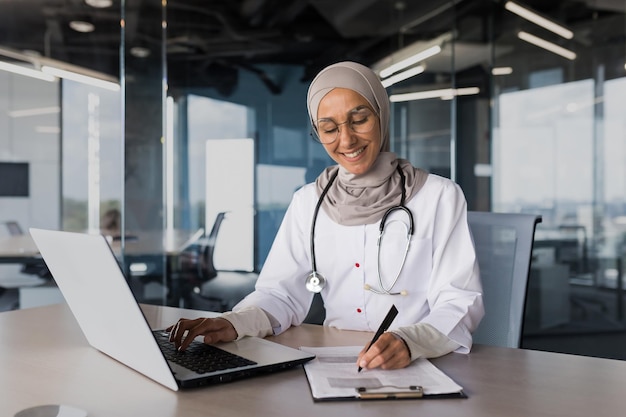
column 214, row 330
column 389, row 352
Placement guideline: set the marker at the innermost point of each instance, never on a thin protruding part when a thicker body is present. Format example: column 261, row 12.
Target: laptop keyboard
column 200, row 357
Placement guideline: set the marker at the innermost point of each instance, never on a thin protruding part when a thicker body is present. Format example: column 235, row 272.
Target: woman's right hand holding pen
column 388, row 352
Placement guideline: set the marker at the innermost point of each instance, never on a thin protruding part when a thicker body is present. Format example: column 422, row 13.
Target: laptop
column 96, row 291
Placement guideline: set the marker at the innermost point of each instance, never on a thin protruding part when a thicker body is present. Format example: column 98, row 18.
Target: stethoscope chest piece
column 315, row 282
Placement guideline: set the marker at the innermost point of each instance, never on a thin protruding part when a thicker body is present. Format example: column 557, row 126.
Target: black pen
column 393, row 312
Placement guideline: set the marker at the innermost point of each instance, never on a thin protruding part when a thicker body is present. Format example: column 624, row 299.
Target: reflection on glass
column 220, row 171
column 92, row 155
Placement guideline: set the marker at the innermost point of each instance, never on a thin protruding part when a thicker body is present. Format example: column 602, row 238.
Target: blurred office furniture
column 30, row 265
column 151, row 262
column 201, row 285
column 504, row 243
column 148, row 258
column 548, row 297
column 608, row 280
column 24, row 278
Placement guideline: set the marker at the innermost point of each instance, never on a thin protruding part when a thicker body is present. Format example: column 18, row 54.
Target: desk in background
column 16, row 249
column 157, row 250
column 45, row 360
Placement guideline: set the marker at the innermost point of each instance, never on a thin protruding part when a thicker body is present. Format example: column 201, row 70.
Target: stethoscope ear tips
column 315, row 282
column 368, row 287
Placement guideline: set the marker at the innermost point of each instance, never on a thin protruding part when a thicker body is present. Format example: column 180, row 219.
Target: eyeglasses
column 360, row 120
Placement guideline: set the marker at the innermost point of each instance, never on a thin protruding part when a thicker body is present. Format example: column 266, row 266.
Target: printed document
column 333, row 375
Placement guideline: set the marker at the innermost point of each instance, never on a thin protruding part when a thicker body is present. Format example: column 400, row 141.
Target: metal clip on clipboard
column 413, row 391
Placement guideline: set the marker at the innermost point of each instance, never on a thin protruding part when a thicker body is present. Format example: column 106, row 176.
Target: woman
column 328, row 241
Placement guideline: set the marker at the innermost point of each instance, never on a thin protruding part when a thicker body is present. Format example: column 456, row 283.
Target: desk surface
column 16, row 248
column 45, row 360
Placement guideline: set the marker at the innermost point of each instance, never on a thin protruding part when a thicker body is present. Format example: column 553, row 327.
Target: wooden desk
column 44, row 359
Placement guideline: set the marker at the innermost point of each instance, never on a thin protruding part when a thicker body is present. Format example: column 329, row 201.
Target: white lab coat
column 440, row 275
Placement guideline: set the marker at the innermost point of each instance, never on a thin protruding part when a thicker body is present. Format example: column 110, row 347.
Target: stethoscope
column 315, row 282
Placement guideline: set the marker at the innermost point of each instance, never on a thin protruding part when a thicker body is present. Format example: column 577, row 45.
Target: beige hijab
column 362, row 199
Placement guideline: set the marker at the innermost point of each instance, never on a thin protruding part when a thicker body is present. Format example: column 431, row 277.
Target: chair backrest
column 11, row 228
column 504, row 243
column 206, row 267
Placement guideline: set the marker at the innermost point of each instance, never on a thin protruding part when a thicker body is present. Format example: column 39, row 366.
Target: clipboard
column 333, row 376
column 373, row 395
column 413, row 391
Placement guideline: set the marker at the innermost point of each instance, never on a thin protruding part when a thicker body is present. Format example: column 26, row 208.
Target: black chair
column 203, row 286
column 30, row 266
column 32, row 272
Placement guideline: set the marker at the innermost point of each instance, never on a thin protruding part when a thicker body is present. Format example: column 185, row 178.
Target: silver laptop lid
column 96, row 291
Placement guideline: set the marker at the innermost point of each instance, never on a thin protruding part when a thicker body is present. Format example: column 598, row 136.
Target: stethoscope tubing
column 383, row 290
column 317, row 209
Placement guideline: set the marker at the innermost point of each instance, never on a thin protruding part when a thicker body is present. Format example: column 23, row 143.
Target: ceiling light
column 39, row 111
column 28, row 72
column 410, row 55
column 411, row 72
column 538, row 20
column 501, row 70
column 139, row 52
column 80, row 78
column 82, row 26
column 99, row 4
column 548, row 46
column 51, row 68
column 445, row 93
column 414, row 59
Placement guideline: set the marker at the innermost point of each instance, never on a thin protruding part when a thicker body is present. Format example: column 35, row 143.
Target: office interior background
column 173, row 112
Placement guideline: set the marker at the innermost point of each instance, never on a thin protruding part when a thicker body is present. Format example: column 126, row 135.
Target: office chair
column 504, row 243
column 206, row 287
column 35, row 267
column 13, row 278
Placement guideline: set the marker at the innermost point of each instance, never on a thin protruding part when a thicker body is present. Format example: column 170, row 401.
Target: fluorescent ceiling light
column 405, row 63
column 28, row 72
column 410, row 55
column 548, row 46
column 443, row 93
column 501, row 70
column 82, row 26
column 139, row 52
column 99, row 4
column 40, row 111
column 51, row 68
column 84, row 79
column 411, row 72
column 538, row 20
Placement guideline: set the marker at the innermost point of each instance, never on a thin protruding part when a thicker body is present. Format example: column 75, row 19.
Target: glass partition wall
column 212, row 115
column 60, row 97
column 559, row 149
